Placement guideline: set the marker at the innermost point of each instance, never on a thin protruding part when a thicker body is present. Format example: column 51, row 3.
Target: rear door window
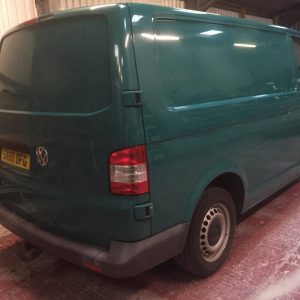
column 56, row 66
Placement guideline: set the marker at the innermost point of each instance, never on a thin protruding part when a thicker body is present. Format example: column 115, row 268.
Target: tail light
column 128, row 171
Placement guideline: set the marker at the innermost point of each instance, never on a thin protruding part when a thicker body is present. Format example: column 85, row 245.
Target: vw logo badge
column 42, row 156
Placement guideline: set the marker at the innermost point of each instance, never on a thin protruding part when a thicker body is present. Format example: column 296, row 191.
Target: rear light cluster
column 128, row 171
column 91, row 267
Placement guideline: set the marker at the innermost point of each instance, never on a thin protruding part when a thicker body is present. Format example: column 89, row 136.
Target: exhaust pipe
column 27, row 252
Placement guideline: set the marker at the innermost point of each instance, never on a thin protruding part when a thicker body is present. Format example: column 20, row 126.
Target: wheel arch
column 233, row 184
column 232, row 179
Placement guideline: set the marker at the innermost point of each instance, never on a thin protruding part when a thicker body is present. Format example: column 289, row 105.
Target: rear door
column 61, row 81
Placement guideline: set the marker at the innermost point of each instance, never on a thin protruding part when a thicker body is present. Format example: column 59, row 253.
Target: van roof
column 211, row 16
column 156, row 9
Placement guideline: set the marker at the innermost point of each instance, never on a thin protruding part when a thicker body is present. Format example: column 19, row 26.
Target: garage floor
column 265, row 264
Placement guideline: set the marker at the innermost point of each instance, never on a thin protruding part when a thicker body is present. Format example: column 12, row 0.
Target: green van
column 131, row 134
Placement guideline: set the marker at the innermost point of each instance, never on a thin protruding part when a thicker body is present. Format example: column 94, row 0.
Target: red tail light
column 128, row 171
column 91, row 267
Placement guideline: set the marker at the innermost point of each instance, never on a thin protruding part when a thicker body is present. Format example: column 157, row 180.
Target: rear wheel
column 211, row 233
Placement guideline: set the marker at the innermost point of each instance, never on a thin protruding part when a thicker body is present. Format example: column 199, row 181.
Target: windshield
column 56, row 66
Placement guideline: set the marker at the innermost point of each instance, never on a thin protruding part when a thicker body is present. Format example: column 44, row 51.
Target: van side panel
column 217, row 98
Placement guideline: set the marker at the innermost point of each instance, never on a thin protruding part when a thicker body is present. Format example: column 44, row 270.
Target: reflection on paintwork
column 242, row 45
column 136, row 18
column 211, row 32
column 117, row 52
column 160, row 37
column 261, row 96
column 118, row 61
column 229, row 101
column 198, row 12
column 277, row 26
column 126, row 40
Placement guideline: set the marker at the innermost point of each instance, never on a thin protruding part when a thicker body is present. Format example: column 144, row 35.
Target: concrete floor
column 264, row 264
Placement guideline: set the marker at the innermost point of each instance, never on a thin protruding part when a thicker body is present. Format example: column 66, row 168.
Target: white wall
column 13, row 12
column 66, row 4
column 236, row 14
column 259, row 19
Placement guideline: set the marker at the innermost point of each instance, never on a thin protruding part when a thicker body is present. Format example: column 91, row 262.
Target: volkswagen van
column 131, row 134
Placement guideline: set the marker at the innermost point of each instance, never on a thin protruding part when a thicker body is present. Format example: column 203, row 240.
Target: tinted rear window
column 56, row 66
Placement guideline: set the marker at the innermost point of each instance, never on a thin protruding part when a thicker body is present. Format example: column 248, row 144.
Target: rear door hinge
column 131, row 98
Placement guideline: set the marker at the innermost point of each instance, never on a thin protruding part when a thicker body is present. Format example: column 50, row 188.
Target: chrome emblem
column 42, row 156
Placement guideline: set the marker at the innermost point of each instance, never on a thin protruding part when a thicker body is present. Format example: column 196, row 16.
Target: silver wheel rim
column 214, row 232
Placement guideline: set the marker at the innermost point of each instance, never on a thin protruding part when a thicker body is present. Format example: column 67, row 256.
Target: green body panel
column 207, row 109
column 71, row 196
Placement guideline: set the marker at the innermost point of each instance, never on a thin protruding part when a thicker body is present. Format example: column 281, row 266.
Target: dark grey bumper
column 123, row 259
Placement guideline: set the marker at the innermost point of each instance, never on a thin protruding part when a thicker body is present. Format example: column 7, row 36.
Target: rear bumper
column 122, row 259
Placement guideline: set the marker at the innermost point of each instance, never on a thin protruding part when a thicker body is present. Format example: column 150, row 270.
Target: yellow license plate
column 15, row 158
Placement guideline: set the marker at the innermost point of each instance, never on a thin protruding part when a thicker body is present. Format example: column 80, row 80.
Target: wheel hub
column 214, row 232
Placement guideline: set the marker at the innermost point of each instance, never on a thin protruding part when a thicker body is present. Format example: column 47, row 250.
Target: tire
column 211, row 234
